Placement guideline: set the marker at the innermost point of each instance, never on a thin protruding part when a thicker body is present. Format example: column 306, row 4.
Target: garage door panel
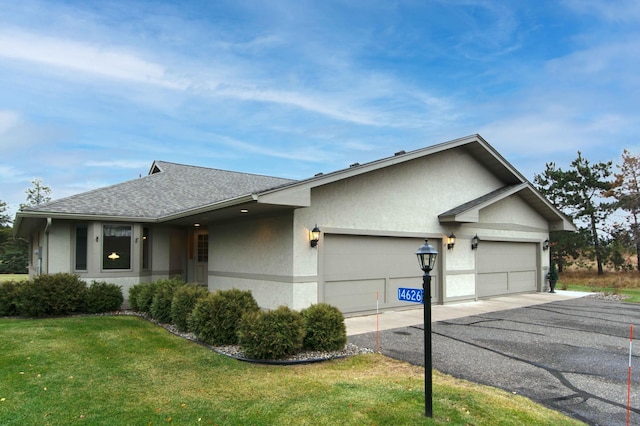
column 353, row 263
column 493, row 284
column 506, row 267
column 522, row 281
column 354, row 295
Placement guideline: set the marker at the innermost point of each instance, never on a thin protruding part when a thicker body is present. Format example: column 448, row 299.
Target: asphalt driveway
column 571, row 355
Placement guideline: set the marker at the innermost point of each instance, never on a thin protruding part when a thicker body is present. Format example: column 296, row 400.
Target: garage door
column 357, row 268
column 505, row 268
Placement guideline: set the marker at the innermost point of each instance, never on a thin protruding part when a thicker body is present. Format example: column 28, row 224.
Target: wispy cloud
column 102, row 61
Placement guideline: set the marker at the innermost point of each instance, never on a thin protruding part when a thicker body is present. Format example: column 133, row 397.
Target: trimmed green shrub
column 215, row 317
column 160, row 308
column 141, row 297
column 274, row 334
column 134, row 293
column 8, row 294
column 103, row 297
column 183, row 303
column 54, row 294
column 325, row 328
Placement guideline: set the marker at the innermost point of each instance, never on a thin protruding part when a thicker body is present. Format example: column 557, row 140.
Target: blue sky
column 92, row 92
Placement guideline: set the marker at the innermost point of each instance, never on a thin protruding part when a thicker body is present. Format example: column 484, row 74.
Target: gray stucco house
column 226, row 229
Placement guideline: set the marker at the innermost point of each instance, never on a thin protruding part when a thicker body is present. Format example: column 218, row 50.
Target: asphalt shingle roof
column 170, row 188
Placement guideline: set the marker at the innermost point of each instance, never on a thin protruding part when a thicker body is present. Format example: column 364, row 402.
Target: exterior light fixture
column 474, row 242
column 545, row 244
column 314, row 236
column 451, row 241
column 427, row 255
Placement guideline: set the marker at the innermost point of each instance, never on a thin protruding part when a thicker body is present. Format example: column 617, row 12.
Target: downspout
column 46, row 236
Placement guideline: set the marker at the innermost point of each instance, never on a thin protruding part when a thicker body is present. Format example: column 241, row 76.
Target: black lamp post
column 427, row 255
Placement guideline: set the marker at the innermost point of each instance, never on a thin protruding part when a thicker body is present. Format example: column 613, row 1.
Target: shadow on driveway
column 571, row 356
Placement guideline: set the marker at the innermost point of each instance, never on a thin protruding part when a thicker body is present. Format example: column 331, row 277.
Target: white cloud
column 103, row 61
column 122, row 164
column 614, row 11
column 8, row 120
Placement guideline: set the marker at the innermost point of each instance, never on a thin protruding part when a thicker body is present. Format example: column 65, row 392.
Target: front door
column 200, row 257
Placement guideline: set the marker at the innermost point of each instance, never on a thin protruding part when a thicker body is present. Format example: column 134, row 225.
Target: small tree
column 5, row 217
column 37, row 195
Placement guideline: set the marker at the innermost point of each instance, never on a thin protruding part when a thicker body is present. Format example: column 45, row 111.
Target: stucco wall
column 407, row 198
column 258, row 255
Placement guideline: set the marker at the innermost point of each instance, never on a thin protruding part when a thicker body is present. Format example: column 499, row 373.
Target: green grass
column 124, row 370
column 14, row 277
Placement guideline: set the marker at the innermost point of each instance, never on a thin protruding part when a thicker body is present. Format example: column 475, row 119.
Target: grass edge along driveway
column 125, row 370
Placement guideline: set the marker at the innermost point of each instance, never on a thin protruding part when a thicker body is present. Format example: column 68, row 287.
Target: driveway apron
column 571, row 356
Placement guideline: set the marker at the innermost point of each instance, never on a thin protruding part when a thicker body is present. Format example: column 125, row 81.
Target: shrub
column 183, row 303
column 134, row 293
column 325, row 328
column 215, row 317
column 8, row 294
column 55, row 294
column 160, row 308
column 103, row 297
column 141, row 297
column 274, row 334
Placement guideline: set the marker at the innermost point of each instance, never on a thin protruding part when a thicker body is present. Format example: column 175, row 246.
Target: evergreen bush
column 215, row 317
column 51, row 294
column 103, row 297
column 8, row 294
column 183, row 303
column 325, row 328
column 271, row 335
column 141, row 297
column 160, row 308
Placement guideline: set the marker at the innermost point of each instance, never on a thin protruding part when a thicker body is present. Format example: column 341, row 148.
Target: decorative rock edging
column 235, row 352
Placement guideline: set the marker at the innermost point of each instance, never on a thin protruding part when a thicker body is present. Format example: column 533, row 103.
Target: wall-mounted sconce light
column 97, row 239
column 451, row 241
column 314, row 236
column 474, row 242
column 545, row 245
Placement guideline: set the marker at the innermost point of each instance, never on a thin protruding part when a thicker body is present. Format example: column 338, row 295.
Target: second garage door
column 506, row 267
column 357, row 269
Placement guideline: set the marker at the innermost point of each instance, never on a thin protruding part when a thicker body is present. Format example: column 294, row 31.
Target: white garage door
column 505, row 268
column 356, row 269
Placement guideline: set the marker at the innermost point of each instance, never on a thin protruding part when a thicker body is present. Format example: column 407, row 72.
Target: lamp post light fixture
column 427, row 255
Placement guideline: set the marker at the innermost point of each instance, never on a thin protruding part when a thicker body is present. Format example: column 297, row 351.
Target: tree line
column 589, row 194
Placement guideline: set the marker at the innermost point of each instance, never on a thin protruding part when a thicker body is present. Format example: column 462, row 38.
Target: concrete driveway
column 570, row 355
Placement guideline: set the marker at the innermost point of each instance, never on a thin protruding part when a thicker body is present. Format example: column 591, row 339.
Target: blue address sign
column 410, row 295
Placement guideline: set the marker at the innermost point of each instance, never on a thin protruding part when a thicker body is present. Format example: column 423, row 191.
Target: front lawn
column 124, row 370
column 14, row 277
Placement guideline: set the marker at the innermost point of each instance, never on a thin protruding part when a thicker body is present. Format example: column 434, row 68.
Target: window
column 203, row 247
column 116, row 247
column 81, row 247
column 146, row 245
